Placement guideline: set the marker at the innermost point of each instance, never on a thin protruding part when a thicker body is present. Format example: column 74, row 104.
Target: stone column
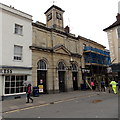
column 69, row 83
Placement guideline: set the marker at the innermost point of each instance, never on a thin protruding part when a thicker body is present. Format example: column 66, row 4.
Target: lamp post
column 84, row 71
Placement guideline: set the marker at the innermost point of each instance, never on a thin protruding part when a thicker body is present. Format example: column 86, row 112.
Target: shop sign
column 85, row 70
column 40, row 88
column 5, row 71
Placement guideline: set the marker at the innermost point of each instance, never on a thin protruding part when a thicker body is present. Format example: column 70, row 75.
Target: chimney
column 67, row 29
column 118, row 17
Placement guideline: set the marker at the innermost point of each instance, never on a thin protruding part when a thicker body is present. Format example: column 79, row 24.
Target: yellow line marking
column 31, row 107
column 26, row 108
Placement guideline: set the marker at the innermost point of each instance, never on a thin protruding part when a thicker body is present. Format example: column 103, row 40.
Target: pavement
column 15, row 104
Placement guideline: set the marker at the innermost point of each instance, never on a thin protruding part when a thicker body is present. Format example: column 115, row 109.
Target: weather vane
column 54, row 2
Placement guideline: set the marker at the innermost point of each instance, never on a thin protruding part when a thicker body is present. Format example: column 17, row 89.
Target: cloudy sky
column 86, row 18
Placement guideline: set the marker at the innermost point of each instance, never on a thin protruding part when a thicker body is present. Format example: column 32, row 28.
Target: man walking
column 114, row 85
column 29, row 93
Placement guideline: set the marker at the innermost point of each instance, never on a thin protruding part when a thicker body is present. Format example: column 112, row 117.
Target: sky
column 86, row 18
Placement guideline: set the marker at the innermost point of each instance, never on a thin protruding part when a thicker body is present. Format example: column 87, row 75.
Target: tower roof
column 54, row 6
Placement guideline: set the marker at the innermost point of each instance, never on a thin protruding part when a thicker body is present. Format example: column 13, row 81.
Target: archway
column 61, row 76
column 41, row 76
column 75, row 76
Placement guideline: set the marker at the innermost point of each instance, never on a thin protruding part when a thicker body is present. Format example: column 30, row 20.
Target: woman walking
column 29, row 93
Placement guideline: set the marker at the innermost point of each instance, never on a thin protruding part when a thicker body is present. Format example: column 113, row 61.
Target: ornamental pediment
column 61, row 49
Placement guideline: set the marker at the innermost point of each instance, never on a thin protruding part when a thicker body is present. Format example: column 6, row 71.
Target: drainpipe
column 52, row 61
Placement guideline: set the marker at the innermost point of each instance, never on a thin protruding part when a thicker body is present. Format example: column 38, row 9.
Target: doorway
column 61, row 75
column 75, row 81
column 41, row 76
column 41, row 81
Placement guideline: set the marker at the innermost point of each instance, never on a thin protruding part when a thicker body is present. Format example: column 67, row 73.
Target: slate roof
column 54, row 6
column 117, row 23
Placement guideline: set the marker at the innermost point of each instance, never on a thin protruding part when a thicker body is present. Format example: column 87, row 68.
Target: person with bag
column 92, row 85
column 28, row 92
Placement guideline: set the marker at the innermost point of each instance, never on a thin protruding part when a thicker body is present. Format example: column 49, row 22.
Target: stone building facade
column 113, row 33
column 15, row 54
column 57, row 55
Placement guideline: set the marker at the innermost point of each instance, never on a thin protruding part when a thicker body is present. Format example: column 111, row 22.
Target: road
column 103, row 105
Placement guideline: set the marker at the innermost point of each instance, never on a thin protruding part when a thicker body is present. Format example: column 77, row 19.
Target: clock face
column 49, row 17
column 58, row 16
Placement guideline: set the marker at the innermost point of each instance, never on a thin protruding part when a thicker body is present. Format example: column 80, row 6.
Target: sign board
column 40, row 88
column 85, row 70
column 5, row 71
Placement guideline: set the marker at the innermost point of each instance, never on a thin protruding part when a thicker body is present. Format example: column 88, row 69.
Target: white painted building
column 15, row 55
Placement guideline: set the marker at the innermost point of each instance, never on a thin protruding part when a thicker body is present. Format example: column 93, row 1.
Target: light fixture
column 71, row 60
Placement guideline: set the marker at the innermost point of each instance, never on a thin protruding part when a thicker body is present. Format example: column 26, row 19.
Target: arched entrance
column 41, row 76
column 74, row 77
column 61, row 76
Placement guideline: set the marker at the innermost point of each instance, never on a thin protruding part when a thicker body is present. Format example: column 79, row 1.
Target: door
column 61, row 81
column 41, row 81
column 75, row 81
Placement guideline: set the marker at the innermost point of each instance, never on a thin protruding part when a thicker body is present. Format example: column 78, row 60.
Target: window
column 118, row 31
column 41, row 65
column 15, row 84
column 49, row 17
column 18, row 29
column 74, row 67
column 58, row 16
column 18, row 52
column 61, row 66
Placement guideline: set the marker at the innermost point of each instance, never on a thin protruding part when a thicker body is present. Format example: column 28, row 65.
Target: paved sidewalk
column 14, row 104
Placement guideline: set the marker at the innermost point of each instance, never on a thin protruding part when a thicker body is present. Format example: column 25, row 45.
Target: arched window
column 74, row 67
column 61, row 66
column 41, row 65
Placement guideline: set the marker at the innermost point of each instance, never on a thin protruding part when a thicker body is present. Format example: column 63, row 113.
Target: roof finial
column 54, row 2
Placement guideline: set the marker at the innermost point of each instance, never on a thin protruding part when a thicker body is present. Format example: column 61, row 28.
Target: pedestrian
column 102, row 86
column 92, row 85
column 114, row 86
column 28, row 92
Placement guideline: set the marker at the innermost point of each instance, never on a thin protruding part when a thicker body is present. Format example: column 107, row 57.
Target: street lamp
column 84, row 71
column 71, row 60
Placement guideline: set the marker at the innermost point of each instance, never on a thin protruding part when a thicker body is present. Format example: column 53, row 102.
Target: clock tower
column 54, row 17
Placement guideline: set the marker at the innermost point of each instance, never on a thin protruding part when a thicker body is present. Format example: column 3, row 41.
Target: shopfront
column 13, row 79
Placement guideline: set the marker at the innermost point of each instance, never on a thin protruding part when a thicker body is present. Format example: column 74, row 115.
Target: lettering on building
column 5, row 71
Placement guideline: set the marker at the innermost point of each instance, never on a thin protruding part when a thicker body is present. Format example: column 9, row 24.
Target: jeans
column 28, row 97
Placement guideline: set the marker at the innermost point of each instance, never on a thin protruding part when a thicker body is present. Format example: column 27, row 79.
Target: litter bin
column 35, row 91
column 83, row 86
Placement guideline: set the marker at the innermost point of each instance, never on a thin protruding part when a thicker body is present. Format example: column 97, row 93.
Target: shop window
column 14, row 84
column 18, row 52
